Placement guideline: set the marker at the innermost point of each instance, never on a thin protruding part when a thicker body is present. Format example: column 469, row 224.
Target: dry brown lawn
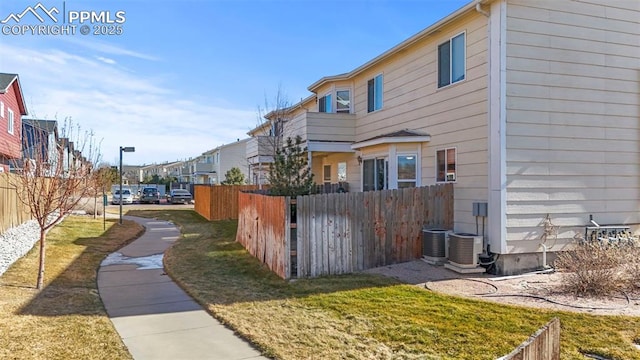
column 66, row 320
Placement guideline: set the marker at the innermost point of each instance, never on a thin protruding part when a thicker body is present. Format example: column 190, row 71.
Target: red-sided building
column 12, row 108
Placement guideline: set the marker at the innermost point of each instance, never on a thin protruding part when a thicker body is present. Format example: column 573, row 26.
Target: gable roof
column 7, row 80
column 401, row 136
column 51, row 126
column 433, row 29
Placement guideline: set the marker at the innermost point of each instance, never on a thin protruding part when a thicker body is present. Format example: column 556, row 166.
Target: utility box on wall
column 480, row 209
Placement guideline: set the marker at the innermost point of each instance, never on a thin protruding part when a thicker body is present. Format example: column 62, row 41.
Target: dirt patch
column 532, row 290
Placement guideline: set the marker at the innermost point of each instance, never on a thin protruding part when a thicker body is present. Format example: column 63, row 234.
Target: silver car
column 127, row 197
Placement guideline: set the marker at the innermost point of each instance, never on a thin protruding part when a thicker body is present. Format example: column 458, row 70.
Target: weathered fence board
column 218, row 202
column 263, row 228
column 343, row 232
column 12, row 211
column 543, row 345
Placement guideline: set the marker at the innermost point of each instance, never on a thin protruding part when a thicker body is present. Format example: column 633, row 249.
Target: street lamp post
column 123, row 149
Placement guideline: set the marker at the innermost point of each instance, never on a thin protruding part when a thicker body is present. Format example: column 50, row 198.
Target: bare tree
column 272, row 120
column 54, row 175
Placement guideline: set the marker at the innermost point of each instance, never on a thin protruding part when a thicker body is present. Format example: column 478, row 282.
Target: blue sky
column 188, row 76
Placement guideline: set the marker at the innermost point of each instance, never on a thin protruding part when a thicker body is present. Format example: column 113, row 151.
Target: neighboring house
column 532, row 107
column 40, row 142
column 202, row 169
column 261, row 148
column 164, row 170
column 228, row 156
column 12, row 108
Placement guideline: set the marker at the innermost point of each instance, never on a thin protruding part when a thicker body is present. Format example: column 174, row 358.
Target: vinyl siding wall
column 454, row 116
column 573, row 110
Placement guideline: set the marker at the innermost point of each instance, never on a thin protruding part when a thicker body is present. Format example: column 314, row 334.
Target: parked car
column 179, row 196
column 149, row 195
column 127, row 197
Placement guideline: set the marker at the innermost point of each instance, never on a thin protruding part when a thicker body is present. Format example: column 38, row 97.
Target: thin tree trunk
column 40, row 282
column 95, row 206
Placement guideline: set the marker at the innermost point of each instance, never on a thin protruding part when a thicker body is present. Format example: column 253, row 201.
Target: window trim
column 415, row 180
column 455, row 149
column 328, row 105
column 373, row 108
column 373, row 157
column 324, row 173
column 350, row 110
column 2, row 109
column 10, row 121
column 464, row 61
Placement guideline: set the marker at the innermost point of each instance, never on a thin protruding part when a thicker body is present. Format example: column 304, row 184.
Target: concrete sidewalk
column 154, row 316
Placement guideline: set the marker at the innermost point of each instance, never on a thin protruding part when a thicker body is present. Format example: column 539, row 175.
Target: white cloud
column 105, row 48
column 121, row 107
column 106, row 60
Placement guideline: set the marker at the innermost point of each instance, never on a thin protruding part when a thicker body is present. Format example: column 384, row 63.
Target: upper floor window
column 407, row 171
column 451, row 61
column 374, row 94
column 324, row 104
column 1, row 109
column 343, row 101
column 10, row 123
column 446, row 165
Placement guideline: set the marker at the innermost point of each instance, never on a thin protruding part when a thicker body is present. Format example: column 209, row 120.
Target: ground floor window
column 446, row 165
column 407, row 170
column 327, row 174
column 375, row 174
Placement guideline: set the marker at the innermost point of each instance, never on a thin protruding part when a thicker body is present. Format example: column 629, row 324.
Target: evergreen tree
column 289, row 174
column 234, row 177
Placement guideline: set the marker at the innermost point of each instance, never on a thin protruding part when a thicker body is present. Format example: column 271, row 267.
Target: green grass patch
column 66, row 320
column 363, row 316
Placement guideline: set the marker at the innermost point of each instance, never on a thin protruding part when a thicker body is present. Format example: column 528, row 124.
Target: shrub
column 593, row 268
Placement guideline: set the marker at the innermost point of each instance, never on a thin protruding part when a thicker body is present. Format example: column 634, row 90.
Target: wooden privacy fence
column 330, row 234
column 343, row 233
column 543, row 345
column 263, row 230
column 12, row 211
column 219, row 202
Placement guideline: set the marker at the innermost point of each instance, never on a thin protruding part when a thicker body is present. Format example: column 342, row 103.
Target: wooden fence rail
column 218, row 202
column 340, row 233
column 12, row 211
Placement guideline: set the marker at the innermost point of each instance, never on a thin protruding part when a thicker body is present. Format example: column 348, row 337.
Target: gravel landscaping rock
column 16, row 242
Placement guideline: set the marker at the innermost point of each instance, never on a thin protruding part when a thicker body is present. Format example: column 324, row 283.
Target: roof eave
column 391, row 140
column 403, row 45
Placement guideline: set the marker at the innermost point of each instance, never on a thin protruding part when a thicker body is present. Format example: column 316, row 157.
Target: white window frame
column 386, row 171
column 464, row 61
column 381, row 75
column 10, row 121
column 446, row 175
column 326, row 180
column 416, row 179
column 2, row 109
column 329, row 103
column 350, row 101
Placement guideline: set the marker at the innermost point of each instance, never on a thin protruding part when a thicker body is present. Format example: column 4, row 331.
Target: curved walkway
column 154, row 316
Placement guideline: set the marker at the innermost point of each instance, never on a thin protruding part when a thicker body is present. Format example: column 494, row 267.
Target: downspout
column 479, row 8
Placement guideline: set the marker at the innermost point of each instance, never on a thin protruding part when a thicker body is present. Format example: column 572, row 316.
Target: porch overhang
column 398, row 137
column 329, row 146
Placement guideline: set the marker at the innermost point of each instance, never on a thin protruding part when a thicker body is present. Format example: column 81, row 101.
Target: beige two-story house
column 532, row 107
